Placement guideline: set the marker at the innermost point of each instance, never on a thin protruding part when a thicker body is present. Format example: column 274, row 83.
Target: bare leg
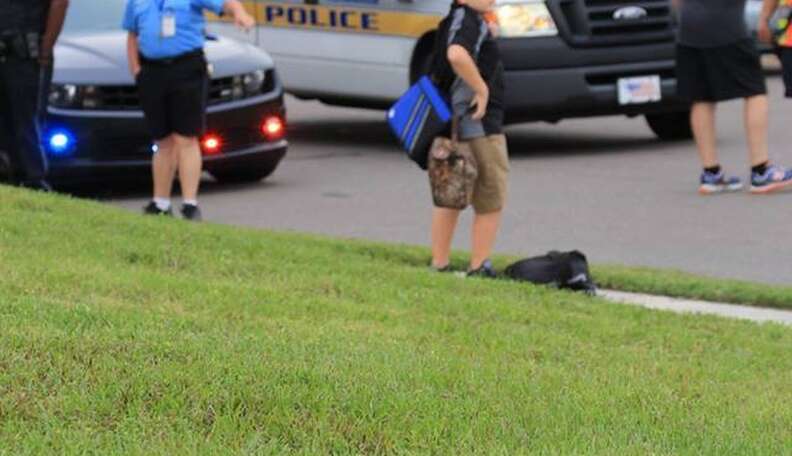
column 163, row 169
column 190, row 164
column 485, row 230
column 756, row 114
column 702, row 119
column 444, row 222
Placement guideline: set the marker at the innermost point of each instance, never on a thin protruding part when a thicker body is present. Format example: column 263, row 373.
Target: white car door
column 343, row 49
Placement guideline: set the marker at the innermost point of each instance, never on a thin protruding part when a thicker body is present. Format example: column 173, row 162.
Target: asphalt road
column 604, row 186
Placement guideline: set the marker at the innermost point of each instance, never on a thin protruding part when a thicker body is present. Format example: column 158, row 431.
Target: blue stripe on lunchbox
column 438, row 103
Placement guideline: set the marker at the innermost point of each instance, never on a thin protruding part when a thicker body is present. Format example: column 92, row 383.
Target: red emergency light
column 211, row 144
column 273, row 127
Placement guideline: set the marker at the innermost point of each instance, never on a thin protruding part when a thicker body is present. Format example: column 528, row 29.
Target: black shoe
column 191, row 212
column 486, row 271
column 39, row 185
column 444, row 269
column 152, row 209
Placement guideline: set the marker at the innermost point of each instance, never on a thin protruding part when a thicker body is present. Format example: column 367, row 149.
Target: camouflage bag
column 452, row 171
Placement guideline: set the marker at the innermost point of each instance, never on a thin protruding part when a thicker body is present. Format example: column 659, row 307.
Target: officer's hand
column 245, row 21
column 480, row 102
column 764, row 32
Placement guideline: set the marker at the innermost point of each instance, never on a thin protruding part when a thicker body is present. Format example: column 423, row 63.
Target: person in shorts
column 717, row 61
column 782, row 40
column 468, row 67
column 165, row 50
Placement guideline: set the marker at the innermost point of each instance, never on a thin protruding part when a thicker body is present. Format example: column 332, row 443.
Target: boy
column 717, row 61
column 166, row 57
column 468, row 67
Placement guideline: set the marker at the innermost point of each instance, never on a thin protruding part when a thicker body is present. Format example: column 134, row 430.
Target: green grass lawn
column 131, row 335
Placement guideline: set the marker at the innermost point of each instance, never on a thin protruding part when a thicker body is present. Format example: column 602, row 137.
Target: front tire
column 6, row 168
column 674, row 126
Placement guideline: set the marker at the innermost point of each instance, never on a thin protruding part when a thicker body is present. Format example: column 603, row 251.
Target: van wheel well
column 421, row 59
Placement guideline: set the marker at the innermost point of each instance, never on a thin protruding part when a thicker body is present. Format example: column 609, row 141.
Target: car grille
column 125, row 98
column 594, row 22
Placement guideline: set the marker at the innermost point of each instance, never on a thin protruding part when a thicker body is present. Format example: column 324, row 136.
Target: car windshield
column 86, row 16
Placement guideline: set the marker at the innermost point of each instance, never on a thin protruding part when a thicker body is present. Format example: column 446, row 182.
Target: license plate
column 639, row 90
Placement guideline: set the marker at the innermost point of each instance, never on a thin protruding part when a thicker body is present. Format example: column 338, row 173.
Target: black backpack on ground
column 565, row 270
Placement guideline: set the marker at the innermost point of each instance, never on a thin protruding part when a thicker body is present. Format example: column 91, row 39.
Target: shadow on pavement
column 553, row 141
column 141, row 188
column 525, row 140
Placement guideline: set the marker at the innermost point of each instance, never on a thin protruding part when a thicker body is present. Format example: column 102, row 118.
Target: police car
column 563, row 58
column 95, row 129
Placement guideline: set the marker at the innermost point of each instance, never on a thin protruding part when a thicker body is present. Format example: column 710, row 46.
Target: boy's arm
column 55, row 19
column 465, row 67
column 768, row 7
column 133, row 55
column 235, row 9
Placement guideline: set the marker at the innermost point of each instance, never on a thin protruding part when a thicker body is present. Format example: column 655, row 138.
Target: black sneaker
column 152, row 209
column 191, row 212
column 486, row 271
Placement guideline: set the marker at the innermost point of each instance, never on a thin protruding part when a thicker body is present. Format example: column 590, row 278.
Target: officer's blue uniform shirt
column 144, row 18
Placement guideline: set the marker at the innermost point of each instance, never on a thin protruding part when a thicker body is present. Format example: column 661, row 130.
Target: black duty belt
column 170, row 61
column 23, row 45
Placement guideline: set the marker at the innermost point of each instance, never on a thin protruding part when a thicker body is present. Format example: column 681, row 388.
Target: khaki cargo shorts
column 492, row 155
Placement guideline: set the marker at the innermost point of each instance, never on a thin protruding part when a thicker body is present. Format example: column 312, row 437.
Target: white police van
column 563, row 58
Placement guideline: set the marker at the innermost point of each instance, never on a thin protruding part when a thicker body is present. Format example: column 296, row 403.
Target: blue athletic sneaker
column 776, row 178
column 712, row 183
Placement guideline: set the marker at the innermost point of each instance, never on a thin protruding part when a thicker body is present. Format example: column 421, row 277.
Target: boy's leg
column 485, row 231
column 489, row 196
column 444, row 222
column 766, row 178
column 190, row 164
column 702, row 120
column 163, row 168
column 756, row 119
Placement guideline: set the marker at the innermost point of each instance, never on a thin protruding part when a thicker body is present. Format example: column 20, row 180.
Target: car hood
column 100, row 58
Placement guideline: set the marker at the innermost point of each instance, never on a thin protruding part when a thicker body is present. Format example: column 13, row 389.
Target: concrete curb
column 756, row 314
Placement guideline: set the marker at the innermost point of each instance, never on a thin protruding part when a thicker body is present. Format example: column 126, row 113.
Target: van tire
column 673, row 126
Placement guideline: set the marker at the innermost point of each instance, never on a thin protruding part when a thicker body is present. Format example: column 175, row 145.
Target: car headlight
column 63, row 95
column 254, row 82
column 71, row 96
column 520, row 19
column 248, row 84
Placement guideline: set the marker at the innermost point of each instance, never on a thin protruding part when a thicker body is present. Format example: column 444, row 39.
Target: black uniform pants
column 24, row 89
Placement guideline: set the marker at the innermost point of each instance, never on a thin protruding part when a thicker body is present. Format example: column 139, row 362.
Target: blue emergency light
column 61, row 142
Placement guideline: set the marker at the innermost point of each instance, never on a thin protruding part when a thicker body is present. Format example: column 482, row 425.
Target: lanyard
column 161, row 5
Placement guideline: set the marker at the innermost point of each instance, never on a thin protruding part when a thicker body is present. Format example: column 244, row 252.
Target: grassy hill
column 129, row 335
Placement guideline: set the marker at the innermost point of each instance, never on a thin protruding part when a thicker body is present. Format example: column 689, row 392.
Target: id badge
column 168, row 25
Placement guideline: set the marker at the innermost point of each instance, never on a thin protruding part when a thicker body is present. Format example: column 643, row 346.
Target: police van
column 563, row 58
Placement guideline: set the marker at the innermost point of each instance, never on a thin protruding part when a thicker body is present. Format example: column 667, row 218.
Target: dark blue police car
column 95, row 130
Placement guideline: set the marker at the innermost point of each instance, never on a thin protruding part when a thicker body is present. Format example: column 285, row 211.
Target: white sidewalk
column 756, row 314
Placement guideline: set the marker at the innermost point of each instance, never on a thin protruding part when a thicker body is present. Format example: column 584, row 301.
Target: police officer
column 28, row 32
column 165, row 50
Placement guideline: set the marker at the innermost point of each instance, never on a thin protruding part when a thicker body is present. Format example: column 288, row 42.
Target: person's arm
column 465, row 67
column 768, row 8
column 133, row 54
column 55, row 19
column 236, row 10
